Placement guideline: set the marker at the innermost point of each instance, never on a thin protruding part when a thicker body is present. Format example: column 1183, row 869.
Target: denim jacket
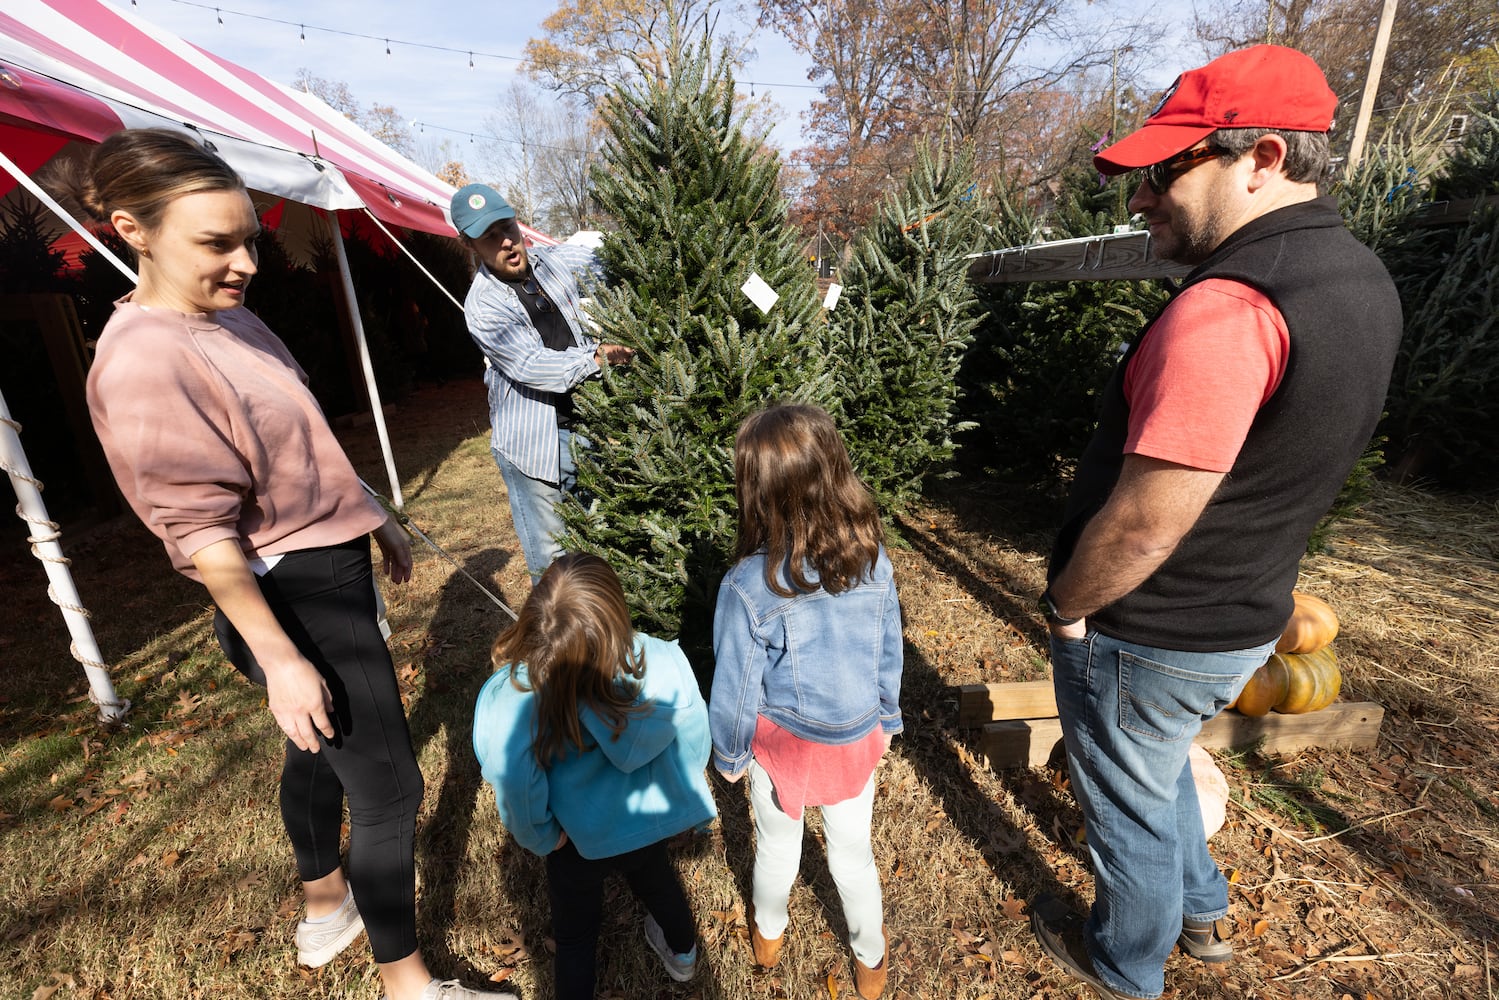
column 824, row 667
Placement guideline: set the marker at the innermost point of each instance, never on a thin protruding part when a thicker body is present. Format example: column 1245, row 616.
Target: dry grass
column 148, row 862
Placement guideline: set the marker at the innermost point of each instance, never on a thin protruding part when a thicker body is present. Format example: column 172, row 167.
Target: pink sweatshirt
column 211, row 432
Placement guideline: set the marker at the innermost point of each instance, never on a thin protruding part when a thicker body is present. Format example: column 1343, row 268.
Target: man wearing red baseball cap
column 1224, row 436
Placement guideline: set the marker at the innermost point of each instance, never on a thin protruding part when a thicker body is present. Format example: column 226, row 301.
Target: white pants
column 778, row 855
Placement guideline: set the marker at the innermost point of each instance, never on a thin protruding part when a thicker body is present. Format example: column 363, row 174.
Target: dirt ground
column 1354, row 874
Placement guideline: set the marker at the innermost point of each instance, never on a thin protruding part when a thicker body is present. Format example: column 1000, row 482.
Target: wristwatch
column 1053, row 616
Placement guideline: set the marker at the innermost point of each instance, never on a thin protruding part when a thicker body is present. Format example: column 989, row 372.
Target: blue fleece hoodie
column 619, row 794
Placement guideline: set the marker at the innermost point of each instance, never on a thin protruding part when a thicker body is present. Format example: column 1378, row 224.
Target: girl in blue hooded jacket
column 595, row 738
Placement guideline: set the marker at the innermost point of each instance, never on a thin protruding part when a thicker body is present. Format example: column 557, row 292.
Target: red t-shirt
column 1211, row 361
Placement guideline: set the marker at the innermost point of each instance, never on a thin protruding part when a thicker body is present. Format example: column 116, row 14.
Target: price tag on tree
column 759, row 292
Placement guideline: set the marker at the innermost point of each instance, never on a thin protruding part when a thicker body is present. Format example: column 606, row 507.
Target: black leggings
column 576, row 887
column 325, row 600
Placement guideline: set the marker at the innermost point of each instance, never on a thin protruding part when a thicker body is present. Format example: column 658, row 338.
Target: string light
column 302, row 30
column 470, row 60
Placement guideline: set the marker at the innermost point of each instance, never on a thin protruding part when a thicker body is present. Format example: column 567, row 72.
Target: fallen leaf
column 170, row 859
column 60, row 803
column 832, row 987
column 1013, row 909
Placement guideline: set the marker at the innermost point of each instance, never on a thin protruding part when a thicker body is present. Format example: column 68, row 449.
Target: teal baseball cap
column 476, row 207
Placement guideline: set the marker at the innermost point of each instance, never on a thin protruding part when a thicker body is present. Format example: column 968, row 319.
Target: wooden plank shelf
column 1009, row 743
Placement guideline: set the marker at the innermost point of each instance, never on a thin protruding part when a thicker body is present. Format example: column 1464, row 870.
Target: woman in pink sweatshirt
column 223, row 452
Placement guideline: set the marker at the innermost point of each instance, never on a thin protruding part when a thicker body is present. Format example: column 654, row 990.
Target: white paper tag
column 831, row 299
column 759, row 292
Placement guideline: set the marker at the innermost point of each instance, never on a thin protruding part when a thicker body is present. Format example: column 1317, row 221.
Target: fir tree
column 1041, row 360
column 697, row 209
column 906, row 315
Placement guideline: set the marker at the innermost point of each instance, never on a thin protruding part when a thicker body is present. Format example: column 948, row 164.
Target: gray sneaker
column 318, row 942
column 679, row 967
column 1207, row 940
column 452, row 989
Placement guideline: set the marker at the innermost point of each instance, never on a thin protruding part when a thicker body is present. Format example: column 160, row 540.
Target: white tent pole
column 418, row 263
column 77, row 227
column 364, row 359
column 44, row 546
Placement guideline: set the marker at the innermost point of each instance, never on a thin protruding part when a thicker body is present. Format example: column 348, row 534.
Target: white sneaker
column 679, row 967
column 319, row 941
column 452, row 989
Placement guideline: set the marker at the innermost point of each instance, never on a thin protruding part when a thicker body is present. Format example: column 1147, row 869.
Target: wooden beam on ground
column 981, row 703
column 1111, row 257
column 1342, row 725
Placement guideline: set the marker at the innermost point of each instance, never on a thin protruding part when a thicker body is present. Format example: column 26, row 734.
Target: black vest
column 1228, row 584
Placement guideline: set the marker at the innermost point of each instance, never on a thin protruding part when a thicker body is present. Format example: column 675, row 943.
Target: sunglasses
column 533, row 287
column 1160, row 176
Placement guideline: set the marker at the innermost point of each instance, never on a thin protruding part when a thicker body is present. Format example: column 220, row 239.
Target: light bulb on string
column 387, row 46
column 470, row 60
column 303, row 29
column 220, row 15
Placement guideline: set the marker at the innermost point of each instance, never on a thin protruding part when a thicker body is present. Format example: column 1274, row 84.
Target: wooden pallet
column 1020, row 727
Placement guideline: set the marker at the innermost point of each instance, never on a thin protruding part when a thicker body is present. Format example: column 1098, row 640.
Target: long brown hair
column 801, row 502
column 141, row 171
column 575, row 638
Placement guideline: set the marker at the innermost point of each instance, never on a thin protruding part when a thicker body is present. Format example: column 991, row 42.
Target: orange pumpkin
column 1267, row 687
column 1312, row 626
column 1314, row 681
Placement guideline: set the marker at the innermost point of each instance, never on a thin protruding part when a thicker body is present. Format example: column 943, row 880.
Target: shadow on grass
column 456, row 663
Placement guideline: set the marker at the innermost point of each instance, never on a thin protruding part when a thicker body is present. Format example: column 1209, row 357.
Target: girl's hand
column 395, row 547
column 300, row 700
column 888, row 738
column 730, row 778
column 561, row 841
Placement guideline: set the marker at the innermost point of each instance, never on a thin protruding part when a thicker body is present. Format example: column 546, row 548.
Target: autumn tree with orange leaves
column 958, row 72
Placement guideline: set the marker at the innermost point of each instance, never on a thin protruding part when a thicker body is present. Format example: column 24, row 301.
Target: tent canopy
column 81, row 69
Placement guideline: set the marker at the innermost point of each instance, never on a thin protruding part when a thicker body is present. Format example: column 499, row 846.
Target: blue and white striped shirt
column 523, row 372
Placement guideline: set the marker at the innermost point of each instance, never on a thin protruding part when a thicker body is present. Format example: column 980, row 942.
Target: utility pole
column 1371, row 85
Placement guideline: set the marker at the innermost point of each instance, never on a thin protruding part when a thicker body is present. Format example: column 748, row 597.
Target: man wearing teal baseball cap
column 524, row 311
column 1228, row 428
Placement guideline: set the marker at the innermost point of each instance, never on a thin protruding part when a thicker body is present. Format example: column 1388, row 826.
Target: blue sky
column 438, row 87
column 433, row 87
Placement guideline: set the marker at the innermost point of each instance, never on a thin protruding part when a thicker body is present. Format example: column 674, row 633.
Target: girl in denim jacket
column 806, row 692
column 595, row 738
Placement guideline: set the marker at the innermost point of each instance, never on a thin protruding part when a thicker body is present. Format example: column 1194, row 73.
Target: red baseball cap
column 1264, row 86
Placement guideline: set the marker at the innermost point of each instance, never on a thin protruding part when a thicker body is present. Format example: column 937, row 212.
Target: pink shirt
column 814, row 774
column 1211, row 361
column 211, row 433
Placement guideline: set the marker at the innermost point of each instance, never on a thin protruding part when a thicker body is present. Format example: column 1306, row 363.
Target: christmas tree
column 1043, row 356
column 906, row 315
column 697, row 210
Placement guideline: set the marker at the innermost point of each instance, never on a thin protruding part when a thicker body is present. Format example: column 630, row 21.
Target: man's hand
column 614, row 354
column 730, row 778
column 1077, row 630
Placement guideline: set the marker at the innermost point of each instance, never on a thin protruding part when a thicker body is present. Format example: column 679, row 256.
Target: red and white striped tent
column 79, row 70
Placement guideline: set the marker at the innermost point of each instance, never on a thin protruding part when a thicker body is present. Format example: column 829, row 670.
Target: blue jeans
column 533, row 505
column 1129, row 714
